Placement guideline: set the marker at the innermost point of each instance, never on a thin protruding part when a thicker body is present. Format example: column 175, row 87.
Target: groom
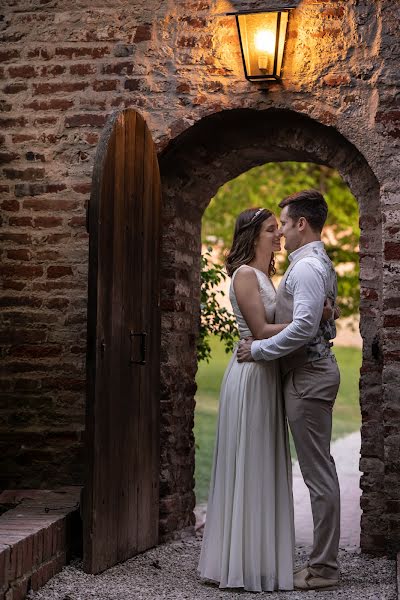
column 309, row 372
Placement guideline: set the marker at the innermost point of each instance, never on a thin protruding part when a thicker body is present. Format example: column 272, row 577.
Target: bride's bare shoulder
column 244, row 275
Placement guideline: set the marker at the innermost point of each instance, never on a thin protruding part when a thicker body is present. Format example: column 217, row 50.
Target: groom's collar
column 296, row 253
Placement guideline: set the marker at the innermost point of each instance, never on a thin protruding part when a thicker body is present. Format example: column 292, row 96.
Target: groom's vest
column 320, row 345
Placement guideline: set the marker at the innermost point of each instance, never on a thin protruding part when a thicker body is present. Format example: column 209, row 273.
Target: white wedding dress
column 249, row 532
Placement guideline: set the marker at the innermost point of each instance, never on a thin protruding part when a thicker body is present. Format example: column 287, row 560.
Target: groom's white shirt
column 307, row 282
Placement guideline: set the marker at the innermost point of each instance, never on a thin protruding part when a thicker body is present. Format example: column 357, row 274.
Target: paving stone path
column 346, row 453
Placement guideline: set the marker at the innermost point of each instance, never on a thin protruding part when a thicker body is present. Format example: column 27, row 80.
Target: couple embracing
column 249, row 533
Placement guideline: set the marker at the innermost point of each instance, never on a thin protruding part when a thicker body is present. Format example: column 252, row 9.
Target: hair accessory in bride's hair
column 256, row 214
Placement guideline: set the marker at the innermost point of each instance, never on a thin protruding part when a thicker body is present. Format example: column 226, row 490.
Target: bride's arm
column 251, row 306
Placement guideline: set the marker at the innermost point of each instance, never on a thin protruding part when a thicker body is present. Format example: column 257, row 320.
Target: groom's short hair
column 309, row 204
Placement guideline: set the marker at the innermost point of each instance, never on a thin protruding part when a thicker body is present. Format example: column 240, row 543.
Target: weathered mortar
column 63, row 72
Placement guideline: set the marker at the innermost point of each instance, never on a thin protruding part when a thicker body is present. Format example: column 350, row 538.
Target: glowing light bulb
column 264, row 42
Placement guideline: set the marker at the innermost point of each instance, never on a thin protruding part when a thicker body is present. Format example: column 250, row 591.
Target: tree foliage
column 266, row 186
column 215, row 319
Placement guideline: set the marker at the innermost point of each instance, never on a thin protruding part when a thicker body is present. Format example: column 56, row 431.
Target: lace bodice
column 268, row 296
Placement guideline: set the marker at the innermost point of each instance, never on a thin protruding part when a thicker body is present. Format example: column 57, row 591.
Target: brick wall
column 64, row 69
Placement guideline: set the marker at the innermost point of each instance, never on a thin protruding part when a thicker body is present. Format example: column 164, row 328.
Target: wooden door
column 120, row 498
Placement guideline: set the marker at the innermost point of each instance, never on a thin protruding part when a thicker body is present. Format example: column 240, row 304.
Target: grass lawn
column 346, row 412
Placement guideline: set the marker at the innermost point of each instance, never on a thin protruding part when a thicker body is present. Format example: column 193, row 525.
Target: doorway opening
column 265, row 186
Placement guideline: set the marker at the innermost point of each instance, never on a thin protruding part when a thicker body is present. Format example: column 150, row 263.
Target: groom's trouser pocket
column 318, row 379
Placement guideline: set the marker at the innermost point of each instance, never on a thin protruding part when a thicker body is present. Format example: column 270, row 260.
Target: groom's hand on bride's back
column 244, row 350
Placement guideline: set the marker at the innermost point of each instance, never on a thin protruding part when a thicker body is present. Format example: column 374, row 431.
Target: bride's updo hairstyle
column 247, row 230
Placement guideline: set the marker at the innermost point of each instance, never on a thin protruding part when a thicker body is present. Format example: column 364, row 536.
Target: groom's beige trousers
column 310, row 392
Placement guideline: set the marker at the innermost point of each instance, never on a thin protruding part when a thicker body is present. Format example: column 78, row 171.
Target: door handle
column 143, row 336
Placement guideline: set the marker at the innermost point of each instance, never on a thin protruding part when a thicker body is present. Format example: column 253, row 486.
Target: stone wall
column 64, row 69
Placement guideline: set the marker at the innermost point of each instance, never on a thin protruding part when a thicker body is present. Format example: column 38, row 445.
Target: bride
column 249, row 533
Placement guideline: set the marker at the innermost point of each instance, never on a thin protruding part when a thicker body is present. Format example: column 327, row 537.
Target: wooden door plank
column 121, row 493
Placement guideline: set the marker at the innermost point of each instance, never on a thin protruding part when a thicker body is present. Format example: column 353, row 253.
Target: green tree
column 266, row 186
column 214, row 319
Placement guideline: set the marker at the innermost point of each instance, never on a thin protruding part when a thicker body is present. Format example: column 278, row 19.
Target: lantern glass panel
column 263, row 40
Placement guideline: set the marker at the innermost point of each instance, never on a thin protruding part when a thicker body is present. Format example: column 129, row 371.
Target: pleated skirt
column 249, row 532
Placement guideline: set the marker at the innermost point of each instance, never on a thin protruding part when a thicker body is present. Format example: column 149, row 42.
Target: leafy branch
column 214, row 318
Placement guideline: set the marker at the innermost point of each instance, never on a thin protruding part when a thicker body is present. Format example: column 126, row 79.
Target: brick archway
column 193, row 166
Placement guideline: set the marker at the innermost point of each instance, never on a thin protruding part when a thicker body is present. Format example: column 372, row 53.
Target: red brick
column 106, row 85
column 22, row 71
column 389, row 116
column 391, row 321
column 37, row 189
column 336, row 79
column 9, row 284
column 20, row 221
column 195, row 42
column 77, row 52
column 30, row 174
column 57, row 303
column 54, row 104
column 63, row 383
column 51, row 70
column 62, row 86
column 10, row 205
column 82, row 69
column 7, row 157
column 392, row 251
column 78, row 349
column 20, row 254
column 58, row 271
column 11, row 301
column 36, row 351
column 120, row 68
column 24, row 137
column 21, row 271
column 15, row 88
column 86, row 120
column 195, row 22
column 183, row 88
column 77, row 222
column 8, row 55
column 335, row 12
column 9, row 122
column 48, row 204
column 82, row 188
column 22, row 336
column 47, row 222
column 391, row 303
column 40, row 53
column 142, row 33
column 132, row 84
column 16, row 238
column 27, row 385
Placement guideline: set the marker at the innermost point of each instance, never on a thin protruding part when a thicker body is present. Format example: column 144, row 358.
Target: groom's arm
column 307, row 283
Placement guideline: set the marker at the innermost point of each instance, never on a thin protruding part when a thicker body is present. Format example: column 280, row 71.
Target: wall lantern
column 262, row 36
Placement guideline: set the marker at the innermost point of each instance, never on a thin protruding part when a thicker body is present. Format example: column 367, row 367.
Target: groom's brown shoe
column 304, row 580
column 298, row 569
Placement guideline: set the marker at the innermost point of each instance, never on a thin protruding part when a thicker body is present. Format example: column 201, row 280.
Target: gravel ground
column 169, row 572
